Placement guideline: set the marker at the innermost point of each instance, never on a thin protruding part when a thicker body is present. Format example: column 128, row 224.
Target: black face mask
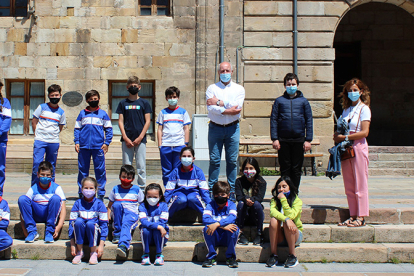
column 133, row 90
column 220, row 199
column 54, row 100
column 93, row 104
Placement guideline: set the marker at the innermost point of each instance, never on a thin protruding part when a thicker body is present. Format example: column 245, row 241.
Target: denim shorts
column 284, row 242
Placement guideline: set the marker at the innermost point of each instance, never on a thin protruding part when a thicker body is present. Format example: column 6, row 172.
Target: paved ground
column 384, row 191
column 30, row 267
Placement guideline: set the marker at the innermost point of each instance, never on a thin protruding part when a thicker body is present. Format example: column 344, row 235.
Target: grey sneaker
column 291, row 261
column 243, row 240
column 209, row 262
column 272, row 261
column 232, row 263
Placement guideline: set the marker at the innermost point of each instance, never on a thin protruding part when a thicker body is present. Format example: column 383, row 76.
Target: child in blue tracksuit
column 93, row 134
column 220, row 229
column 5, row 240
column 153, row 215
column 187, row 186
column 44, row 202
column 124, row 200
column 5, row 123
column 173, row 132
column 48, row 121
column 88, row 223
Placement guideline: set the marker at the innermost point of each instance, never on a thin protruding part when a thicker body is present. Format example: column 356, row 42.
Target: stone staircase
column 389, row 160
column 387, row 237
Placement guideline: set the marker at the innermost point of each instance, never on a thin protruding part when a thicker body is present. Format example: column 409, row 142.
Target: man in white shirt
column 224, row 104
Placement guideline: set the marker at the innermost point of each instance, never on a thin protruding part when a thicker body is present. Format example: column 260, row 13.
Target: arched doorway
column 375, row 42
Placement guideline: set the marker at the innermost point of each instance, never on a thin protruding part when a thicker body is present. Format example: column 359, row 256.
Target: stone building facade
column 92, row 44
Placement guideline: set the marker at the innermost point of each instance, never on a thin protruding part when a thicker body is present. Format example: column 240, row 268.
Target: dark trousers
column 291, row 160
column 254, row 213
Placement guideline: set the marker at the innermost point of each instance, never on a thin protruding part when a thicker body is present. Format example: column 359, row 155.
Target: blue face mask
column 287, row 194
column 45, row 180
column 291, row 89
column 353, row 95
column 225, row 77
column 186, row 161
column 172, row 101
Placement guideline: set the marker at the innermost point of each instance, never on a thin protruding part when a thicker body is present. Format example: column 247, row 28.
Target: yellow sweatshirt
column 294, row 212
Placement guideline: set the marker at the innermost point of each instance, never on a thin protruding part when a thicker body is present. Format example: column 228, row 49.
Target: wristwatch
column 346, row 138
column 218, row 103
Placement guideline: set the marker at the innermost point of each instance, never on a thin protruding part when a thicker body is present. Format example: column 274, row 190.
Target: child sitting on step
column 285, row 225
column 153, row 215
column 88, row 223
column 5, row 240
column 187, row 186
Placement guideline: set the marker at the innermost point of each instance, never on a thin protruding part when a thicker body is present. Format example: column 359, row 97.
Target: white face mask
column 153, row 201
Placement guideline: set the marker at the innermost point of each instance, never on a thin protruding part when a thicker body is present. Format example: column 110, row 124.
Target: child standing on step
column 5, row 240
column 44, row 203
column 124, row 200
column 173, row 132
column 250, row 191
column 285, row 225
column 88, row 223
column 93, row 134
column 187, row 186
column 220, row 229
column 153, row 215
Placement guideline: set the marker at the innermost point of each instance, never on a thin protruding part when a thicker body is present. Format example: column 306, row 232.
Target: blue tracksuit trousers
column 170, row 159
column 5, row 240
column 125, row 222
column 33, row 212
column 86, row 231
column 84, row 161
column 41, row 148
column 152, row 237
column 3, row 148
column 221, row 237
column 181, row 200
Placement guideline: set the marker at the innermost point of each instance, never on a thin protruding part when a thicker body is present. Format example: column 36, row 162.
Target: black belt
column 227, row 125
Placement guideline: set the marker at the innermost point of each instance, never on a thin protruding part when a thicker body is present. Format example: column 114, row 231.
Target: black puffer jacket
column 291, row 118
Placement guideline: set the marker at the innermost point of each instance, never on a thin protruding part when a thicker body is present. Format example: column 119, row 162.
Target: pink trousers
column 355, row 175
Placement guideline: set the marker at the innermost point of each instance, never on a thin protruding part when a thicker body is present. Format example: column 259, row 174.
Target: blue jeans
column 230, row 138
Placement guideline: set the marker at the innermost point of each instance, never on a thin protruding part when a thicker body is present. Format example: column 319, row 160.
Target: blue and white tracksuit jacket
column 5, row 240
column 41, row 205
column 5, row 123
column 187, row 189
column 150, row 217
column 92, row 130
column 225, row 216
column 88, row 222
column 124, row 213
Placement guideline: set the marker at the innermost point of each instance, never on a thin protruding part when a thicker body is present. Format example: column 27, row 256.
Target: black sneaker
column 272, row 261
column 291, row 261
column 243, row 240
column 209, row 262
column 257, row 240
column 121, row 251
column 231, row 262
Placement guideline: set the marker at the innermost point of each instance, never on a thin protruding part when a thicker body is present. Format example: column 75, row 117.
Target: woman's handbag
column 348, row 153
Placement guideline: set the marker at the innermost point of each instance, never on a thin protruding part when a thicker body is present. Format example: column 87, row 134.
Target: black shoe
column 101, row 197
column 209, row 262
column 257, row 240
column 121, row 251
column 231, row 262
column 243, row 240
column 291, row 261
column 272, row 261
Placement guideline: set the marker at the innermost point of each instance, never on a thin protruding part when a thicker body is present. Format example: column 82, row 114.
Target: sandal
column 346, row 222
column 357, row 223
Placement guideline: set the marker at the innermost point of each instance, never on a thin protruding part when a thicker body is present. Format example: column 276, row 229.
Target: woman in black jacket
column 250, row 191
column 291, row 128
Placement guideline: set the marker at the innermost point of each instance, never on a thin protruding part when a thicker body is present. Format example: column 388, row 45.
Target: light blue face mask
column 172, row 102
column 353, row 95
column 287, row 194
column 45, row 180
column 225, row 77
column 291, row 89
column 186, row 161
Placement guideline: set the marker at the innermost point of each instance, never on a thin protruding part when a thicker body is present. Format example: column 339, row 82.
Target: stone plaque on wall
column 72, row 98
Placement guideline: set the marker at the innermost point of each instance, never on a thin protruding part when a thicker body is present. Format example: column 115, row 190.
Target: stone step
column 193, row 251
column 390, row 171
column 311, row 233
column 318, row 215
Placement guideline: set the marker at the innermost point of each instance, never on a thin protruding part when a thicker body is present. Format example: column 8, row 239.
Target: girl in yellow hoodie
column 285, row 225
